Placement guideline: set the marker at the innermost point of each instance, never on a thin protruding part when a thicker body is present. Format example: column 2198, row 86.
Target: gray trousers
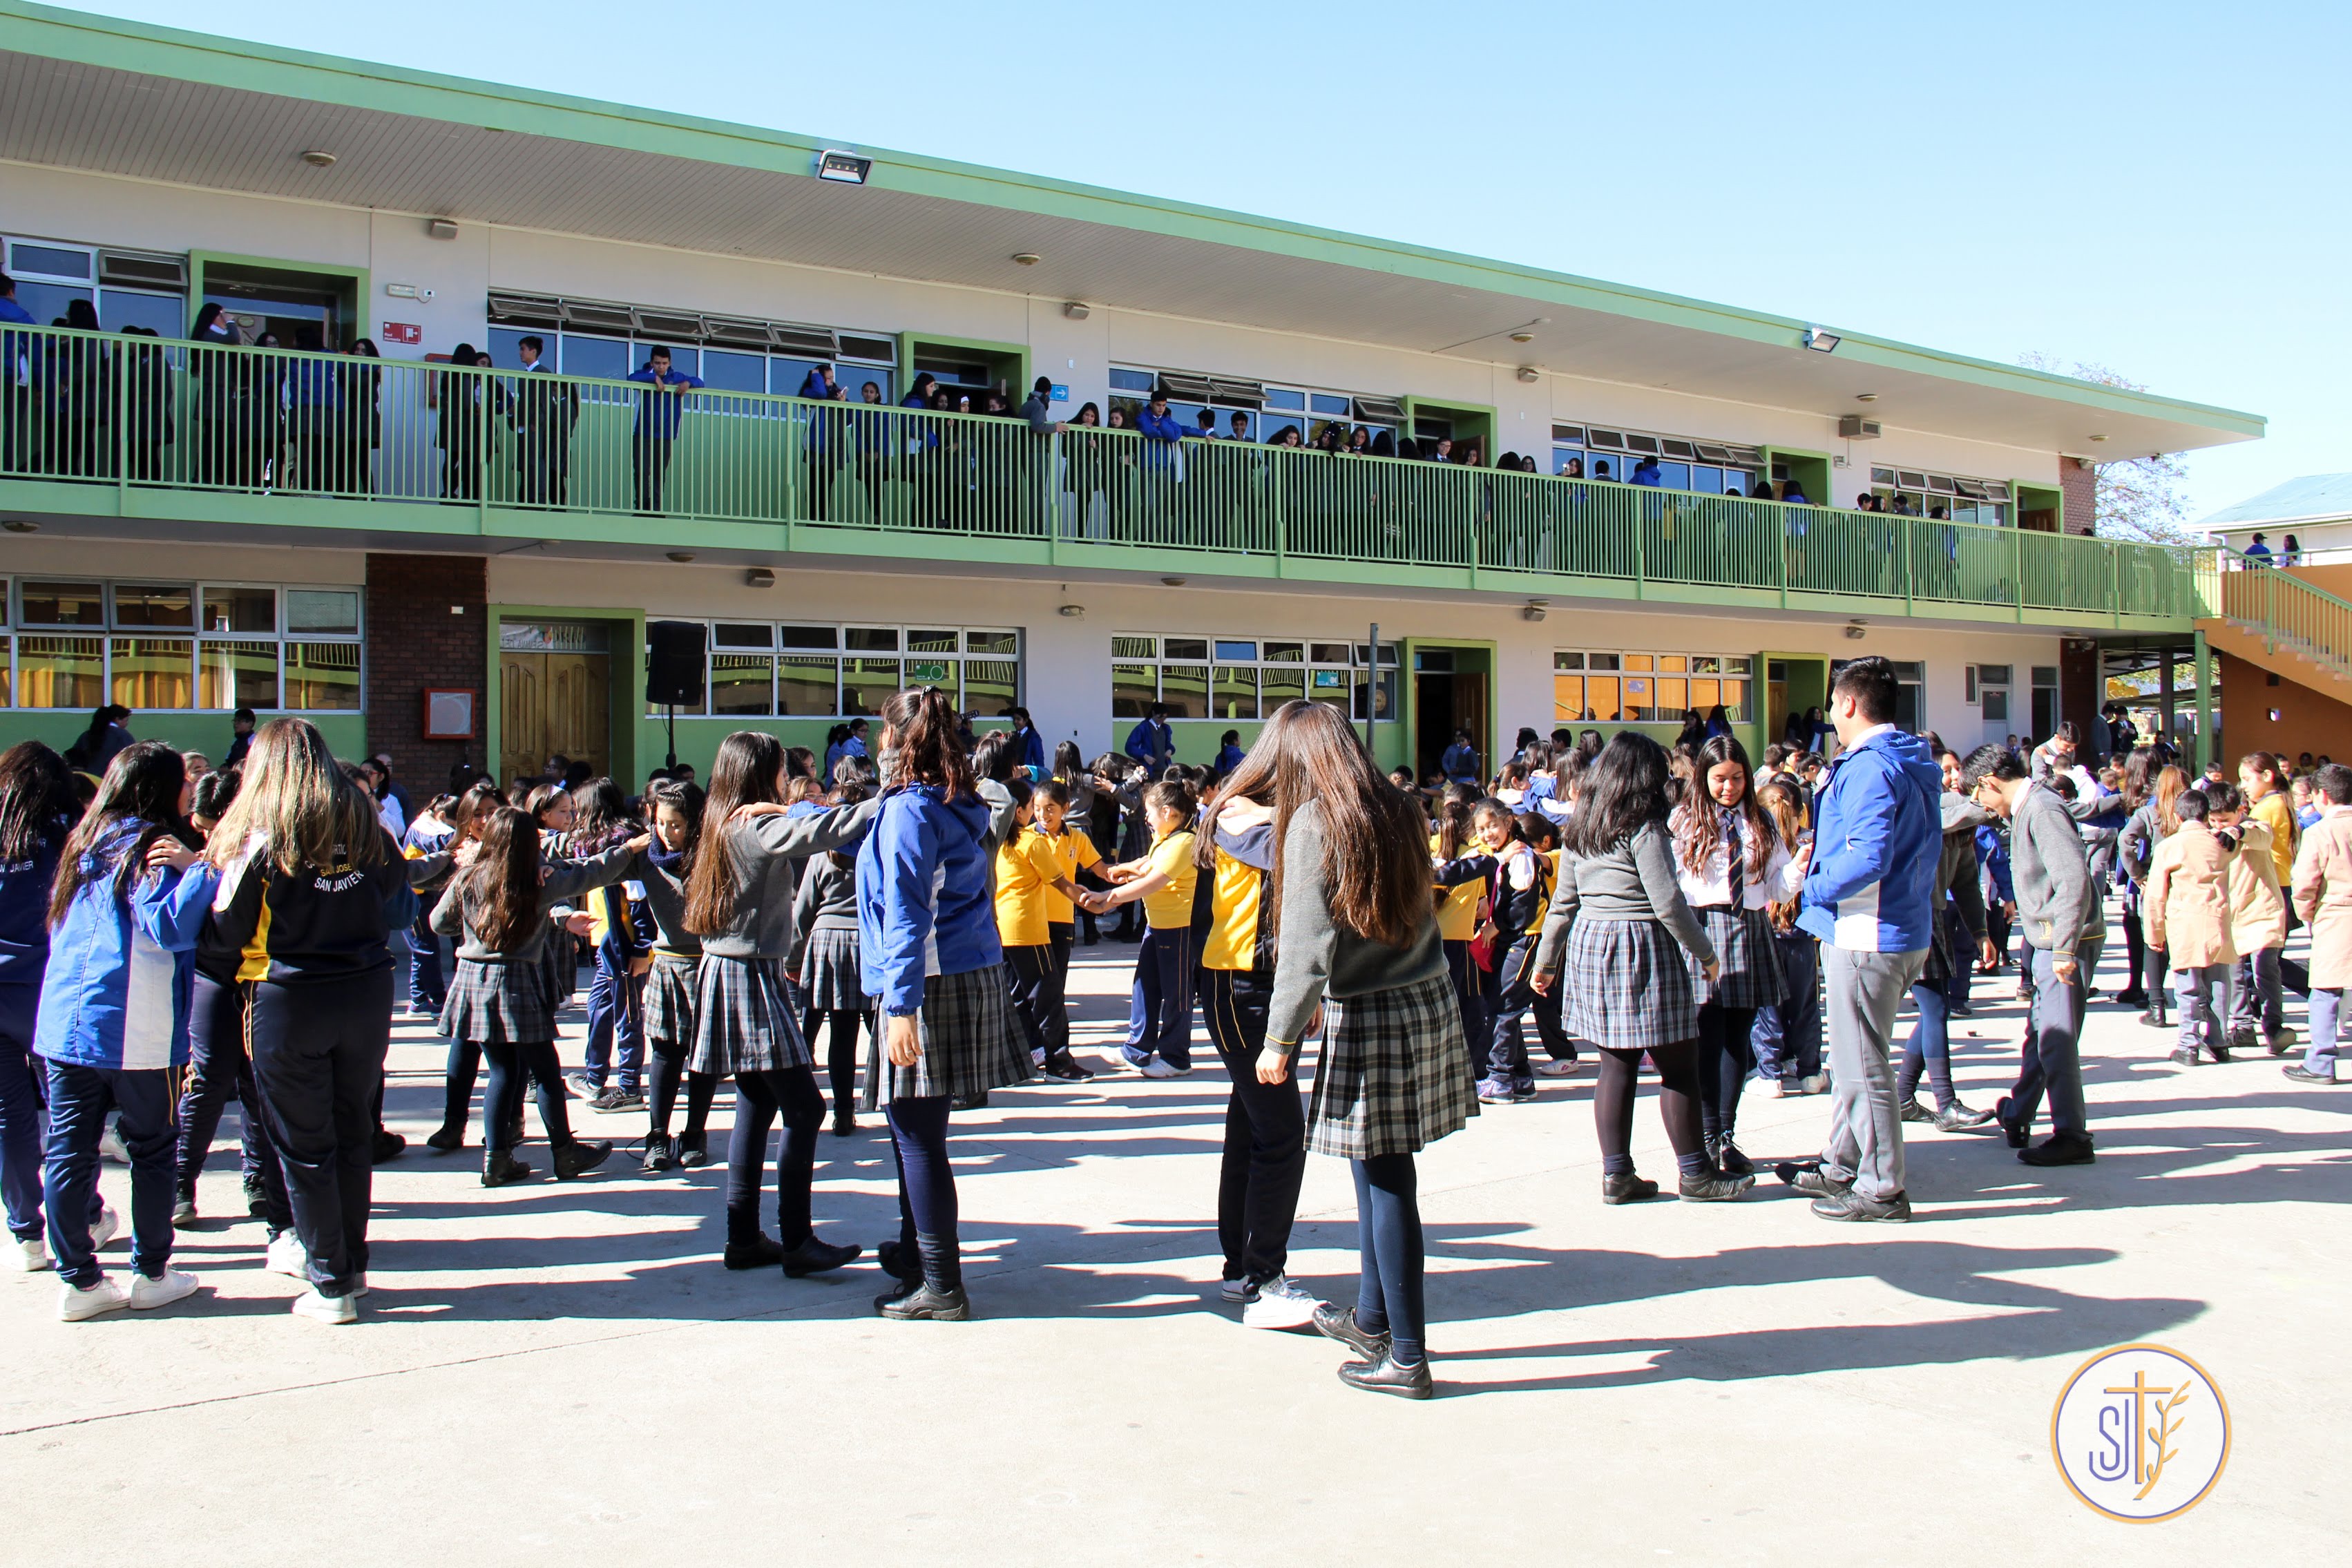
column 2202, row 990
column 1866, row 1144
column 2260, row 1003
column 2053, row 1062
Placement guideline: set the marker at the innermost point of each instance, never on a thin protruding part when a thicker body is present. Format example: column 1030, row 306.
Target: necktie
column 1733, row 860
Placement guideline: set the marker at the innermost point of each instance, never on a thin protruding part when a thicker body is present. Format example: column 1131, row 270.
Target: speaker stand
column 671, row 761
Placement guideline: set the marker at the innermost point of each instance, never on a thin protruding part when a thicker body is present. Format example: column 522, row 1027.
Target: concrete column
column 2207, row 749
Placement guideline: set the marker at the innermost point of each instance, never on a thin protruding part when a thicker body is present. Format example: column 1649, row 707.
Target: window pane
column 1384, row 706
column 734, row 634
column 1184, row 688
column 60, row 672
column 804, row 688
column 1237, row 650
column 1333, row 689
column 935, row 672
column 874, row 639
column 240, row 610
column 154, row 604
column 1184, row 648
column 1735, row 701
column 154, row 672
column 1672, row 663
column 1134, row 647
column 1236, row 691
column 1285, row 653
column 1567, row 661
column 7, row 674
column 1640, row 661
column 867, row 683
column 61, row 605
column 807, row 636
column 1005, row 643
column 1601, row 661
column 322, row 610
column 1674, row 696
column 1134, row 688
column 1603, row 700
column 51, row 260
column 728, row 371
column 1328, row 652
column 991, row 686
column 1277, row 687
column 606, row 358
column 1640, row 701
column 931, row 642
column 322, row 675
column 740, row 683
column 236, row 675
column 1566, row 699
column 1704, row 694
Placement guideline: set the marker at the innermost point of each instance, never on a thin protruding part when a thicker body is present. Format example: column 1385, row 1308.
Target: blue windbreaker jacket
column 116, row 994
column 1877, row 835
column 923, row 903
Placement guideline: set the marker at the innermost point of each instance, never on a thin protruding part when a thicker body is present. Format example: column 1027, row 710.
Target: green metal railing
column 103, row 409
column 2284, row 610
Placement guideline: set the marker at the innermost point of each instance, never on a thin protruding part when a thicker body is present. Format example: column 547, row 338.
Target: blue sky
column 2157, row 188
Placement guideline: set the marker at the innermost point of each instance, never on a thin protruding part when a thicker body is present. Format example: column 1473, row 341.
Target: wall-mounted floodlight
column 1822, row 342
column 846, row 167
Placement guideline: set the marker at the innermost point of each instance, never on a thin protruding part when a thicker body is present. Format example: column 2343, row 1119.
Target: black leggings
column 927, row 1191
column 1388, row 1253
column 1727, row 1055
column 661, row 1090
column 840, row 1050
column 1612, row 1105
column 760, row 1097
column 502, row 1101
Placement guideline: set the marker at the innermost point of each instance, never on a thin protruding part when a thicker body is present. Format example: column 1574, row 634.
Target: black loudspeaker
column 674, row 663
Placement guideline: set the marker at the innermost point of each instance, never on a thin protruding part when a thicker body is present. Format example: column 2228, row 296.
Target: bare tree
column 2139, row 499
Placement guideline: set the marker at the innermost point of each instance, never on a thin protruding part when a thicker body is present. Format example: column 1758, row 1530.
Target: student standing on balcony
column 459, row 401
column 1162, row 432
column 659, row 409
column 546, row 410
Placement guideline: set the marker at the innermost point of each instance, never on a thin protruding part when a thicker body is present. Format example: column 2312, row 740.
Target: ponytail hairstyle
column 542, row 799
column 1068, row 761
column 297, row 799
column 142, row 789
column 835, row 736
column 748, row 771
column 216, row 793
column 37, row 801
column 1786, row 807
column 2171, row 785
column 503, row 884
column 1173, row 795
column 1451, row 822
column 924, row 748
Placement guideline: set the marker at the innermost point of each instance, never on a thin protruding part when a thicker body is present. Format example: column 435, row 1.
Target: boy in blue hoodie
column 128, row 905
column 1870, row 899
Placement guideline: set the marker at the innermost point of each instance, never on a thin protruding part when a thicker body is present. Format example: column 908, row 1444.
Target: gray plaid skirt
column 745, row 1017
column 1625, row 985
column 970, row 1042
column 1750, row 977
column 831, row 980
column 502, row 1004
column 669, row 997
column 1392, row 1075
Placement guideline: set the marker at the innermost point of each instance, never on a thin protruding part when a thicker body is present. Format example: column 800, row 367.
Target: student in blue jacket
column 36, row 812
column 659, row 409
column 927, row 946
column 125, row 916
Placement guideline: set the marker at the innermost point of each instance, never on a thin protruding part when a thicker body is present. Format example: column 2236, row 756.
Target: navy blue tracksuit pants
column 615, row 1016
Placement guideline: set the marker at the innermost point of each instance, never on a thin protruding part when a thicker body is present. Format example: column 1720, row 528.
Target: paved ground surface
column 547, row 1371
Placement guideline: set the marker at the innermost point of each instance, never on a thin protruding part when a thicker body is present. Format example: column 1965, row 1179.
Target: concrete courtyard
column 550, row 1374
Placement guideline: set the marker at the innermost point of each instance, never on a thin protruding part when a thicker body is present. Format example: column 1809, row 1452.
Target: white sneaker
column 1155, row 1067
column 1782, row 1089
column 286, row 1256
column 103, row 1229
column 1236, row 1292
column 161, row 1291
column 76, row 1303
column 110, row 1146
column 1557, row 1069
column 1818, row 1084
column 1280, row 1304
column 33, row 1254
column 325, row 1309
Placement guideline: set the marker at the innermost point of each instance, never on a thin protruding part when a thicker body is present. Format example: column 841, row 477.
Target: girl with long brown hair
column 747, row 1024
column 1356, row 945
column 2153, row 819
column 36, row 814
column 499, row 906
column 927, row 940
column 430, row 872
column 1732, row 863
column 665, row 869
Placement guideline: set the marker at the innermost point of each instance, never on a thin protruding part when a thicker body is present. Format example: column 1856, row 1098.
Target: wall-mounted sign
column 449, row 714
column 403, row 332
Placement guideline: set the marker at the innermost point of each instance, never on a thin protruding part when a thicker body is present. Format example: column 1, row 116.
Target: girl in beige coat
column 2323, row 897
column 2257, row 923
column 2188, row 911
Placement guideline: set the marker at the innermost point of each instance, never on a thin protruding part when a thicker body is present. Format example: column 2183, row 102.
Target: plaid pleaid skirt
column 670, row 996
column 502, row 1004
column 1750, row 977
column 831, row 980
column 1392, row 1075
column 1625, row 985
column 970, row 1042
column 746, row 1018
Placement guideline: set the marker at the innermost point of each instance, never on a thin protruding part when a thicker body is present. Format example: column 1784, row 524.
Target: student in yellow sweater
column 1029, row 872
column 1160, row 1009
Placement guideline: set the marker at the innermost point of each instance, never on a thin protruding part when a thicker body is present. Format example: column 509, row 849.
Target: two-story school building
column 340, row 422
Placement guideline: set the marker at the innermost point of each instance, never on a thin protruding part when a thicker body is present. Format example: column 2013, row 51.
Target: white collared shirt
column 1711, row 885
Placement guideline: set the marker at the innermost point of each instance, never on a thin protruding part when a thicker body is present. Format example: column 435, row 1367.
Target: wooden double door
column 552, row 704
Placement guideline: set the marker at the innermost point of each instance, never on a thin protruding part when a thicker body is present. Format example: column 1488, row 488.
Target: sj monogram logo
column 2140, row 1433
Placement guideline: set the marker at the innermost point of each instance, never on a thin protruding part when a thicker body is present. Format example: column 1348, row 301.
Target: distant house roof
column 2314, row 497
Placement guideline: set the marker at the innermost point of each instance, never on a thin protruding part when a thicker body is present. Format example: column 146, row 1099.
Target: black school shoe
column 2016, row 1133
column 1850, row 1204
column 1805, row 1176
column 388, row 1146
column 1627, row 1189
column 497, row 1168
column 2059, row 1149
column 1339, row 1322
column 2299, row 1073
column 692, row 1151
column 1959, row 1118
column 657, row 1154
column 446, row 1139
column 925, row 1303
column 763, row 1252
column 814, row 1256
column 1384, row 1376
column 1714, row 1187
column 580, row 1156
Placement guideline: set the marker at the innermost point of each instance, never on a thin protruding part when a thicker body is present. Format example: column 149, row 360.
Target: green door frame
column 1410, row 648
column 626, row 695
column 1763, row 685
column 2038, row 498
column 1815, row 466
column 1415, row 406
column 909, row 343
column 200, row 261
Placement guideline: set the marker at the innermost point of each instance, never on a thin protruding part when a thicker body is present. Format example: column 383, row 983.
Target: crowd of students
column 169, row 942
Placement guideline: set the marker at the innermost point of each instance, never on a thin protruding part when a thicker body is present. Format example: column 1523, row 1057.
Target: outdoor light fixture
column 1075, row 612
column 1076, row 311
column 1530, row 374
column 759, row 577
column 1173, row 582
column 318, row 160
column 1026, row 258
column 440, row 228
column 1865, row 397
column 848, row 168
column 2098, row 437
column 21, row 525
column 1822, row 342
column 1854, row 631
column 1523, row 336
column 1534, row 611
column 681, row 556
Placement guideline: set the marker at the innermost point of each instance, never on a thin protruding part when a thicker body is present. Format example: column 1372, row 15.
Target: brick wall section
column 2082, row 489
column 2079, row 695
column 415, row 642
